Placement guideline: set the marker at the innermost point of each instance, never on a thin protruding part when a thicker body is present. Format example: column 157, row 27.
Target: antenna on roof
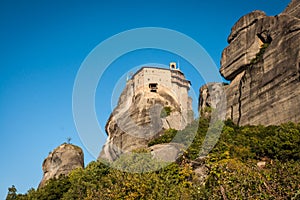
column 178, row 65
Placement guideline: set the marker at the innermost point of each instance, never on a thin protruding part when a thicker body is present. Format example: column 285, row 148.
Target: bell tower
column 173, row 66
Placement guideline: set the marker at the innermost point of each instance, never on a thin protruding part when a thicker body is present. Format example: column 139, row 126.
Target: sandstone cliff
column 262, row 62
column 62, row 160
column 212, row 96
column 138, row 118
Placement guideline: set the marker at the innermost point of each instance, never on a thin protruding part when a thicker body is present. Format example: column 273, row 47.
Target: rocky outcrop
column 243, row 46
column 167, row 152
column 293, row 9
column 61, row 161
column 212, row 96
column 138, row 118
column 200, row 169
column 262, row 62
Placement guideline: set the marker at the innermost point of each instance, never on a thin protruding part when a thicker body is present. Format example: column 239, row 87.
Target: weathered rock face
column 167, row 152
column 200, row 169
column 262, row 62
column 212, row 96
column 243, row 46
column 137, row 119
column 62, row 160
column 293, row 9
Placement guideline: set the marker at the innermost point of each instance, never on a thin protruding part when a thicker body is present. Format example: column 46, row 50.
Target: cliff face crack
column 299, row 71
column 265, row 37
column 168, row 123
column 294, row 30
column 240, row 99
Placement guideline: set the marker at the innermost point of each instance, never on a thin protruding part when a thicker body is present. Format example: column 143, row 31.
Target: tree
column 12, row 193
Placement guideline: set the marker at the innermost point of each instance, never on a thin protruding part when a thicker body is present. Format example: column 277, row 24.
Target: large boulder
column 61, row 161
column 167, row 152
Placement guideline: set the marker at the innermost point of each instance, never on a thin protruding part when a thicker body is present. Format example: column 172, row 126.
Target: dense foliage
column 233, row 170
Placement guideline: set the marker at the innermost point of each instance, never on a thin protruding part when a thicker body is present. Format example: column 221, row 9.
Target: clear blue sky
column 42, row 45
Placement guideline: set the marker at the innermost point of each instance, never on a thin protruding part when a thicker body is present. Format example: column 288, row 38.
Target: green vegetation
column 259, row 55
column 166, row 111
column 98, row 181
column 232, row 163
column 208, row 109
column 12, row 193
column 167, row 137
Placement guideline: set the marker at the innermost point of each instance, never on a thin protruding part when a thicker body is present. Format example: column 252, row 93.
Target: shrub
column 166, row 111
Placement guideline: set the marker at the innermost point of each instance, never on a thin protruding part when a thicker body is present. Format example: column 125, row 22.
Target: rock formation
column 212, row 96
column 167, row 152
column 262, row 62
column 61, row 161
column 142, row 115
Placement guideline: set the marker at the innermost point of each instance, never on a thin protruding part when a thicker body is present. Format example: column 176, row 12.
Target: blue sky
column 42, row 46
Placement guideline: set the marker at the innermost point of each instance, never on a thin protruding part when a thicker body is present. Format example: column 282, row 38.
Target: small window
column 153, row 87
